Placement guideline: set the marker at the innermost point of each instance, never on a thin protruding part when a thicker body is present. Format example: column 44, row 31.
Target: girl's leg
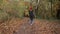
column 32, row 21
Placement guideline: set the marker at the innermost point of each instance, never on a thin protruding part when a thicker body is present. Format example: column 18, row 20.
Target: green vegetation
column 16, row 9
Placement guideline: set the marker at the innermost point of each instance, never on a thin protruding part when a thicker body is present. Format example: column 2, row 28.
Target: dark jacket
column 31, row 15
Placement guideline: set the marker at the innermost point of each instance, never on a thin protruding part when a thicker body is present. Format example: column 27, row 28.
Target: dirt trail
column 22, row 26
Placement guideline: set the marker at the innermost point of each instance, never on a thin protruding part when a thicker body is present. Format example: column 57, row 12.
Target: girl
column 31, row 15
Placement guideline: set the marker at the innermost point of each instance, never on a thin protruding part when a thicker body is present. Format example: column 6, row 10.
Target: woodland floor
column 22, row 26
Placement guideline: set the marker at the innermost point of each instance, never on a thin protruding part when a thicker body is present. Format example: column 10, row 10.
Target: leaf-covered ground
column 22, row 26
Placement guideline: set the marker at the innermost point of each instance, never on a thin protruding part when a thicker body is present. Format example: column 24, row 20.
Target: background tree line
column 12, row 8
